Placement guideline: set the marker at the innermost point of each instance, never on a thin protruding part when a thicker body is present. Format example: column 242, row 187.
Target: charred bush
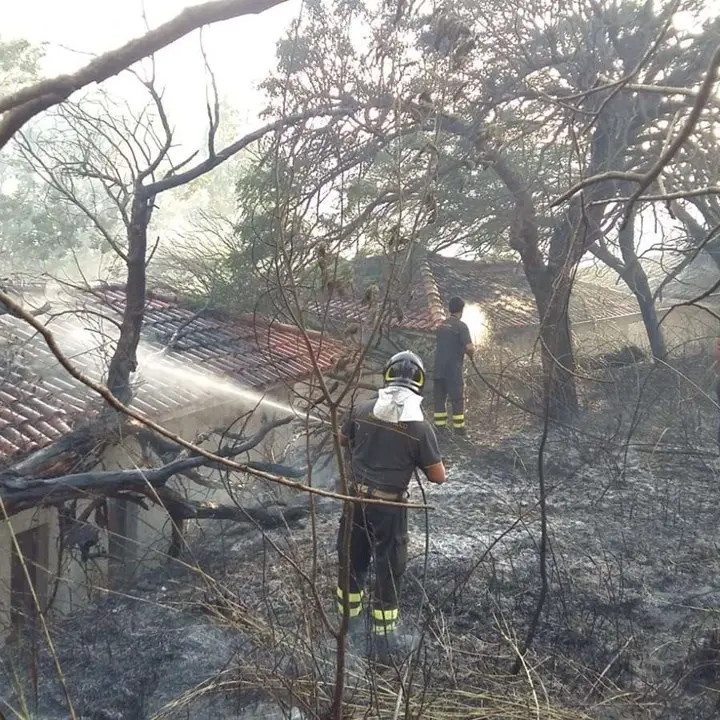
column 623, row 357
column 702, row 664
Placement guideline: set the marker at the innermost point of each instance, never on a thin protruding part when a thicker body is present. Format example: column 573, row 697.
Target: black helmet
column 405, row 369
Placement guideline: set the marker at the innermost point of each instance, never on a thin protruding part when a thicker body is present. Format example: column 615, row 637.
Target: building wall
column 686, row 329
column 146, row 534
column 59, row 579
column 23, row 522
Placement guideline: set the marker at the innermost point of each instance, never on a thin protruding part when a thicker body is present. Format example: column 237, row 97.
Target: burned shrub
column 623, row 357
column 702, row 664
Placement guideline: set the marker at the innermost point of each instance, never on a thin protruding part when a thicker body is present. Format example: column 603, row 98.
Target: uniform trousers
column 452, row 387
column 378, row 534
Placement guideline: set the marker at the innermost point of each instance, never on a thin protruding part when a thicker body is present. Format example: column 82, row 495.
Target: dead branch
column 67, row 191
column 180, row 333
column 700, row 102
column 20, row 493
column 644, row 180
column 647, row 55
column 213, row 111
column 184, row 509
column 35, row 312
column 19, row 107
column 213, row 161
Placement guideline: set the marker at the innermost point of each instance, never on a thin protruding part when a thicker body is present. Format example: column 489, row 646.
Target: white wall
column 686, row 329
column 150, row 530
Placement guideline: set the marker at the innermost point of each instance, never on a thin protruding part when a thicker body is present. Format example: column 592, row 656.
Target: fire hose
column 496, row 390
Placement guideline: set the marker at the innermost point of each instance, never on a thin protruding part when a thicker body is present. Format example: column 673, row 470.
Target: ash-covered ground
column 628, row 629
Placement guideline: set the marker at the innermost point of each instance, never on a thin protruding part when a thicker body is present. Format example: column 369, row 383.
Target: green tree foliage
column 19, row 62
column 37, row 226
column 215, row 254
column 479, row 121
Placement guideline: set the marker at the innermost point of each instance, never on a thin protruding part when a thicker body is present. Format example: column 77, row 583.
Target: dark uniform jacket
column 452, row 337
column 383, row 455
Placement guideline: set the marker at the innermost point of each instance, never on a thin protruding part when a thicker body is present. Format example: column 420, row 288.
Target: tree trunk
column 124, row 359
column 713, row 250
column 636, row 279
column 634, row 276
column 641, row 289
column 550, row 285
column 699, row 236
column 552, row 296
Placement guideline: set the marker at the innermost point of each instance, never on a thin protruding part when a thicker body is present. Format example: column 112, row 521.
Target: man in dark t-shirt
column 453, row 342
column 385, row 455
column 387, row 439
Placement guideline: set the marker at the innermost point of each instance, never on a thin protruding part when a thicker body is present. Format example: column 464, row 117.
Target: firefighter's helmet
column 405, row 369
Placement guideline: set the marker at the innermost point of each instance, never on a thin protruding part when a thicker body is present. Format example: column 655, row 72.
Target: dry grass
column 622, row 638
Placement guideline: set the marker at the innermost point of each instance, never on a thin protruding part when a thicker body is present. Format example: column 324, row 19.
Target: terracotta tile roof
column 407, row 306
column 39, row 402
column 419, row 298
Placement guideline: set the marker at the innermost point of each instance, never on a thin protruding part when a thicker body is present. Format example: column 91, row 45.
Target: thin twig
column 700, row 102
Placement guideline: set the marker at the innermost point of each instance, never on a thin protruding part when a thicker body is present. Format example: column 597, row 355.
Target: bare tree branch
column 213, row 111
column 699, row 105
column 644, row 180
column 21, row 106
column 20, row 493
column 220, row 157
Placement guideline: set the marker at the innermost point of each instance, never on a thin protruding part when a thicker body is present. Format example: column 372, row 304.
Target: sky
column 241, row 51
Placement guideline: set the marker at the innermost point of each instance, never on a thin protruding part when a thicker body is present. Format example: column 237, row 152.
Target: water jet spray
column 476, row 320
column 157, row 363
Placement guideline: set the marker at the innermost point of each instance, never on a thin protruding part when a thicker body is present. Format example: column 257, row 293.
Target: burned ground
column 629, row 629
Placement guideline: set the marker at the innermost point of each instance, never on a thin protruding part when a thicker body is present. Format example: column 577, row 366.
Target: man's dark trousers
column 452, row 387
column 378, row 533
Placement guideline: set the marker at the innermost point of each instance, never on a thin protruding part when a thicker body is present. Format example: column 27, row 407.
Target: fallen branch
column 114, row 403
column 184, row 509
column 20, row 493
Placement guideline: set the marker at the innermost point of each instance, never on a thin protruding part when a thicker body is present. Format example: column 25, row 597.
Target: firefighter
column 386, row 438
column 453, row 342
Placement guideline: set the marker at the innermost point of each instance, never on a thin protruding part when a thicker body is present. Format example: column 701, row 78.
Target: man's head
column 405, row 369
column 456, row 305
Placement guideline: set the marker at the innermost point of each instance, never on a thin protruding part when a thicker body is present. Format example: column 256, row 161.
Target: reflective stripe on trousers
column 378, row 536
column 384, row 621
column 454, row 389
column 354, row 600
